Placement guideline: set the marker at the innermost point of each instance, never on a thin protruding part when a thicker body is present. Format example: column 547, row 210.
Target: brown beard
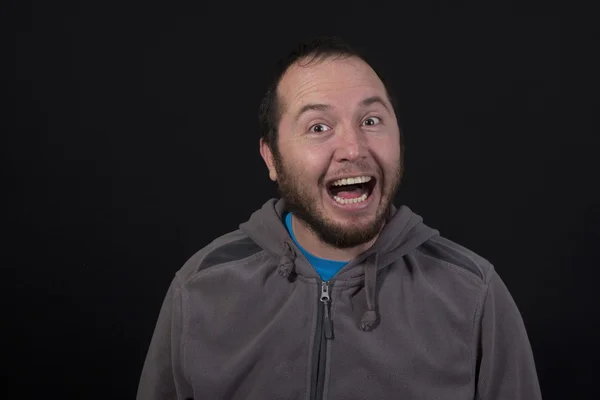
column 299, row 202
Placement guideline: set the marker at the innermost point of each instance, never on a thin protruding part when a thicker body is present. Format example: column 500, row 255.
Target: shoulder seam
column 199, row 273
column 456, row 268
column 191, row 266
column 476, row 318
column 476, row 261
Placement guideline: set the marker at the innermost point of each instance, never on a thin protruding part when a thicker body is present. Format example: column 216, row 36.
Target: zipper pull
column 325, row 299
column 325, row 292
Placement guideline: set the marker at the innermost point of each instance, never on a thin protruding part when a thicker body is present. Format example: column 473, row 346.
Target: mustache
column 357, row 168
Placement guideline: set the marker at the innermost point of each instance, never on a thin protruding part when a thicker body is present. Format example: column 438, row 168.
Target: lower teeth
column 350, row 201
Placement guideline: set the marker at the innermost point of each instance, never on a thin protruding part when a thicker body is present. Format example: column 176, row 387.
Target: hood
column 403, row 232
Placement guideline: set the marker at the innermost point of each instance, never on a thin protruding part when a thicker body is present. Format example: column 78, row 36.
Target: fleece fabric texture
column 417, row 316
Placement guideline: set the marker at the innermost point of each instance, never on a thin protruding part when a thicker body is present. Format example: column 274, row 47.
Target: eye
column 318, row 128
column 372, row 121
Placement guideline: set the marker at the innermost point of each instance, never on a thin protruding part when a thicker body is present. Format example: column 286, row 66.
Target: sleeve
column 505, row 366
column 162, row 375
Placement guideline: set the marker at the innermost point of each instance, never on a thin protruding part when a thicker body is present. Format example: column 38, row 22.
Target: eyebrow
column 324, row 107
column 374, row 100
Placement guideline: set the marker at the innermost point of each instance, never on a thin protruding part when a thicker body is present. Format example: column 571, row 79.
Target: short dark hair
column 319, row 48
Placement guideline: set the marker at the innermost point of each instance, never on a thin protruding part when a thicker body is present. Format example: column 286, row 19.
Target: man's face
column 339, row 162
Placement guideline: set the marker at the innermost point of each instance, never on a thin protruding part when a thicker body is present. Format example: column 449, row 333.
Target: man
column 331, row 292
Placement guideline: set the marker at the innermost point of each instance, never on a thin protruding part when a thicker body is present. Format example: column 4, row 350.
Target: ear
column 267, row 155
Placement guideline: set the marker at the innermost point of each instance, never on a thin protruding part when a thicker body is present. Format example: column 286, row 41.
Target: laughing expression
column 338, row 164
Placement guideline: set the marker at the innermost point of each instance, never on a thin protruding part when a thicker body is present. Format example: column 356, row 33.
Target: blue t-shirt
column 325, row 268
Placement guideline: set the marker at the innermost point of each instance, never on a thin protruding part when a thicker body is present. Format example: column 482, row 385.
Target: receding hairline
column 312, row 59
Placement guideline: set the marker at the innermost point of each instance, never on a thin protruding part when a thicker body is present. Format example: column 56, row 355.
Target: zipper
column 323, row 333
column 326, row 300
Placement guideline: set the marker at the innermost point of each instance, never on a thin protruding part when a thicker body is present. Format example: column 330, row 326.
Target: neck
column 315, row 246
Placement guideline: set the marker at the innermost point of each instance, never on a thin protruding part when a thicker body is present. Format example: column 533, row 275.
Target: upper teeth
column 351, row 181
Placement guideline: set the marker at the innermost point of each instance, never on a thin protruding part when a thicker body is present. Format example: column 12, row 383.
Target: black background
column 135, row 144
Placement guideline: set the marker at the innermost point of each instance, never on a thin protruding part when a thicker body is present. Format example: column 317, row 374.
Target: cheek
column 387, row 153
column 310, row 162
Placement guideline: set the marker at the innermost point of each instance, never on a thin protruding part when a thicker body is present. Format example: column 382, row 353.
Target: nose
column 351, row 145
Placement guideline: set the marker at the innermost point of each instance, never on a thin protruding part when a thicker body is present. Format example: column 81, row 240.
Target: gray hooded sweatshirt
column 414, row 317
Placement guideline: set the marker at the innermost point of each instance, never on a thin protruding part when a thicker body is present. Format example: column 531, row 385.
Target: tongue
column 350, row 193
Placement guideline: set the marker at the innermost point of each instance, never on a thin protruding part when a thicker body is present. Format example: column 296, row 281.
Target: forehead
column 331, row 80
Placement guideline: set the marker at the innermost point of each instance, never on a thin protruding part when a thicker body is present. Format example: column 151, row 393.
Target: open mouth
column 351, row 190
